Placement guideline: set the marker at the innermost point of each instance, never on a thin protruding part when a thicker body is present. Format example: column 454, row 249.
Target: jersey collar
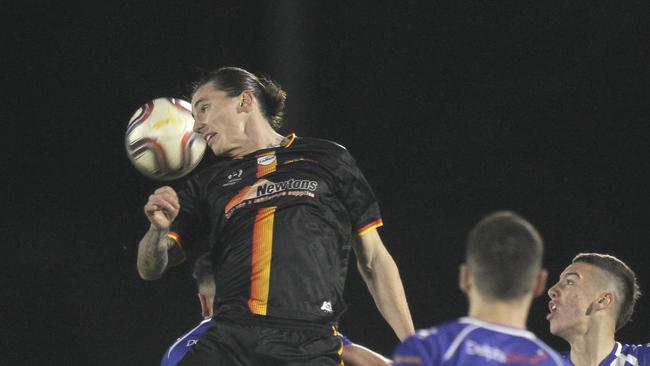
column 290, row 138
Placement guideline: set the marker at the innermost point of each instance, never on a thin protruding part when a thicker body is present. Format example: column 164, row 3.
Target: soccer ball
column 160, row 142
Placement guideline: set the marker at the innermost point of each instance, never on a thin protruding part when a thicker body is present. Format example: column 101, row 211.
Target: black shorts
column 228, row 344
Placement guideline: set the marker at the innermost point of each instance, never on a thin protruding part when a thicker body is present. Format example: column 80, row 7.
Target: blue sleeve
column 173, row 355
column 344, row 340
column 643, row 356
column 415, row 351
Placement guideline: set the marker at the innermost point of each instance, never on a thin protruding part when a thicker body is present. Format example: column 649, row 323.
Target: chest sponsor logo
column 291, row 184
column 266, row 160
column 264, row 190
column 491, row 353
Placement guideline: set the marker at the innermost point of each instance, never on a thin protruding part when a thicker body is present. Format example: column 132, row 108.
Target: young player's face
column 216, row 117
column 572, row 299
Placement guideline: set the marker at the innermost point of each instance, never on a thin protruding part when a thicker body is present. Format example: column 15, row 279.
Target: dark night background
column 453, row 109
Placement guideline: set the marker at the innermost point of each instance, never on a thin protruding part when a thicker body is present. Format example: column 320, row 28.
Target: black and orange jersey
column 279, row 223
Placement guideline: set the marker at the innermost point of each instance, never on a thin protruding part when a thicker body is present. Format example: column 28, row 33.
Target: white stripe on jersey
column 459, row 339
column 622, row 359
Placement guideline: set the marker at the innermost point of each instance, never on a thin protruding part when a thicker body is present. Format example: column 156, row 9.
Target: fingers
column 166, row 189
column 158, row 202
column 164, row 199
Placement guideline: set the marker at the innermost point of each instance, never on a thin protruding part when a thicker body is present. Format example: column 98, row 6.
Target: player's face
column 216, row 117
column 572, row 299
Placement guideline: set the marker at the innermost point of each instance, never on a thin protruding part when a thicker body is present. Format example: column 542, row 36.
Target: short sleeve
column 185, row 229
column 345, row 340
column 356, row 194
column 643, row 354
column 414, row 351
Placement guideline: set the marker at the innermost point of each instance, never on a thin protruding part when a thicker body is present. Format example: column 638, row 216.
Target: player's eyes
column 569, row 281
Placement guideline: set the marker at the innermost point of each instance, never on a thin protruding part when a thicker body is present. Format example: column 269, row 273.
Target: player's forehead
column 581, row 270
column 205, row 92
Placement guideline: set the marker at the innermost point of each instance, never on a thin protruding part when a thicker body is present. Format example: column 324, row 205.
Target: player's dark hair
column 505, row 253
column 234, row 80
column 202, row 272
column 625, row 281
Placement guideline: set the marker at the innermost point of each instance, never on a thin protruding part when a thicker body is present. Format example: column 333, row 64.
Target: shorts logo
column 326, row 307
column 266, row 160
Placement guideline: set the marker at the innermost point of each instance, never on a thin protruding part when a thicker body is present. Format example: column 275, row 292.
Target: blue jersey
column 625, row 355
column 469, row 341
column 344, row 339
column 178, row 350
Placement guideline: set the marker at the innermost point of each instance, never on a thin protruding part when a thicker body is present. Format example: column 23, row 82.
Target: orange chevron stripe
column 238, row 198
column 373, row 225
column 261, row 260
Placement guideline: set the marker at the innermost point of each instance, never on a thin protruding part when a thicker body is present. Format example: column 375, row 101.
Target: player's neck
column 512, row 314
column 591, row 347
column 259, row 135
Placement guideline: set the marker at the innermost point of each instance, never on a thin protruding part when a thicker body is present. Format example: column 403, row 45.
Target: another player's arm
column 156, row 250
column 414, row 352
column 356, row 355
column 379, row 271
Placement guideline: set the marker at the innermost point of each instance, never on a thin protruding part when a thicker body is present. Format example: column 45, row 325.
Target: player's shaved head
column 614, row 275
column 504, row 251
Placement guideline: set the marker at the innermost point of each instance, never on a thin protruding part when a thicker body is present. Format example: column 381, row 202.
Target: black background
column 453, row 109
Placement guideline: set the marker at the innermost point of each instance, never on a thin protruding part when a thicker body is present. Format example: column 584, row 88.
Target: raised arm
column 156, row 251
column 379, row 271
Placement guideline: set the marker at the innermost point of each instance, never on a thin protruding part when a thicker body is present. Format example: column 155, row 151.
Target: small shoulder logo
column 266, row 160
column 236, row 174
column 234, row 177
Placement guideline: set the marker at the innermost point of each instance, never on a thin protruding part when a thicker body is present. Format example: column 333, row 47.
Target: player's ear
column 605, row 300
column 540, row 283
column 245, row 101
column 464, row 278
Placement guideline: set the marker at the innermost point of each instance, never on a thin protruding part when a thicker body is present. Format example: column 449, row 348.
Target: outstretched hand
column 162, row 207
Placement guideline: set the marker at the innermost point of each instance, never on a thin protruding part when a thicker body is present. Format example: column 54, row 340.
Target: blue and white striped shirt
column 469, row 341
column 624, row 355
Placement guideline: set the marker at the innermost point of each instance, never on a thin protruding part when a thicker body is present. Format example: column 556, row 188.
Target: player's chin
column 553, row 327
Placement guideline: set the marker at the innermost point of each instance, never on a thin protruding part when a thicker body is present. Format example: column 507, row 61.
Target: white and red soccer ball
column 160, row 142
